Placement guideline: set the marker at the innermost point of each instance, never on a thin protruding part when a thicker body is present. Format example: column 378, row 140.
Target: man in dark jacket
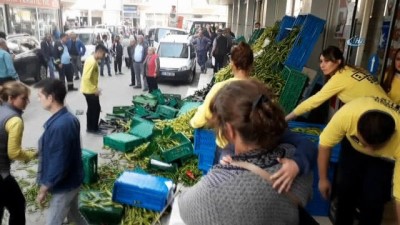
column 219, row 50
column 62, row 60
column 131, row 50
column 76, row 49
column 118, row 51
column 46, row 48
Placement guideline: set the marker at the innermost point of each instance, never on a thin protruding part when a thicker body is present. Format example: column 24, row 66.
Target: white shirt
column 138, row 53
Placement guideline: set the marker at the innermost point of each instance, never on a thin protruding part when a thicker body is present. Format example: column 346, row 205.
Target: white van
column 89, row 38
column 177, row 58
column 156, row 34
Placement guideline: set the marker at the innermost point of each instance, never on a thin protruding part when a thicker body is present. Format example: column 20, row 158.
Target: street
column 115, row 92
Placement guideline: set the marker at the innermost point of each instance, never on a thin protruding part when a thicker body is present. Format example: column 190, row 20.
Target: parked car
column 156, row 34
column 28, row 62
column 177, row 58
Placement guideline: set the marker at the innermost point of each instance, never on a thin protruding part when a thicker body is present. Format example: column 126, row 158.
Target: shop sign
column 355, row 41
column 33, row 3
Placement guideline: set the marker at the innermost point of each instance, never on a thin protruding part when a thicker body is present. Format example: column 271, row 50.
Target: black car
column 28, row 61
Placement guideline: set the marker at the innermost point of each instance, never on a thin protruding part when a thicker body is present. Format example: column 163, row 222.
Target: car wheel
column 192, row 75
column 42, row 74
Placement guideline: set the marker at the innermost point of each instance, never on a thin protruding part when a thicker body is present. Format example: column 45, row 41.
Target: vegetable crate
column 137, row 110
column 145, row 100
column 89, row 159
column 309, row 33
column 310, row 131
column 188, row 106
column 204, row 141
column 172, row 100
column 122, row 142
column 120, row 109
column 142, row 190
column 141, row 128
column 286, row 24
column 185, row 148
column 293, row 88
column 96, row 210
column 167, row 112
column 318, row 206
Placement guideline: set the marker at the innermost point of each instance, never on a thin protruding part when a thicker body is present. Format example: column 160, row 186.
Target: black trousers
column 93, row 112
column 133, row 78
column 67, row 71
column 219, row 62
column 364, row 182
column 152, row 83
column 13, row 200
column 117, row 64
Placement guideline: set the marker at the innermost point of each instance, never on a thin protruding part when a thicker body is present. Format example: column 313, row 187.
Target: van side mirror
column 193, row 55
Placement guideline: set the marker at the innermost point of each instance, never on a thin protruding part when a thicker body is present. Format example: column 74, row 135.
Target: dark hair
column 242, row 56
column 104, row 36
column 257, row 23
column 387, row 82
column 53, row 87
column 251, row 108
column 101, row 47
column 376, row 127
column 333, row 54
column 63, row 35
column 13, row 89
column 3, row 35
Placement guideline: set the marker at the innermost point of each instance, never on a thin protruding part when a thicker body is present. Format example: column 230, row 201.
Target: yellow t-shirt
column 90, row 76
column 347, row 84
column 344, row 123
column 203, row 112
column 394, row 92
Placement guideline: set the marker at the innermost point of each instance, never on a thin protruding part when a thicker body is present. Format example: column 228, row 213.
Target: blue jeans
column 51, row 67
column 65, row 205
column 105, row 60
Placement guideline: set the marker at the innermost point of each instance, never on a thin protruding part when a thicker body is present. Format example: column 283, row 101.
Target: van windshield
column 173, row 50
column 162, row 33
column 86, row 38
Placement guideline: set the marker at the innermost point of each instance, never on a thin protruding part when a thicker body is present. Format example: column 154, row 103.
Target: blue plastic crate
column 318, row 206
column 315, row 138
column 284, row 28
column 142, row 190
column 305, row 41
column 206, row 161
column 204, row 141
column 299, row 21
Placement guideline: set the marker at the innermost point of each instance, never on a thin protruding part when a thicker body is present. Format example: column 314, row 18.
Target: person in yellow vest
column 346, row 82
column 391, row 82
column 90, row 88
column 370, row 145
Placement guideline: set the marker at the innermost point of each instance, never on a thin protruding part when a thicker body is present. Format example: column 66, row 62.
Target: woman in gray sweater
column 247, row 114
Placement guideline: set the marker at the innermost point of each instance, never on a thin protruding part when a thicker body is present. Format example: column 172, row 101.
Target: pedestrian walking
column 7, row 70
column 46, row 49
column 220, row 51
column 391, row 81
column 14, row 97
column 62, row 60
column 118, row 51
column 202, row 44
column 370, row 151
column 60, row 169
column 90, row 89
column 107, row 59
column 139, row 55
column 152, row 68
column 76, row 49
column 131, row 50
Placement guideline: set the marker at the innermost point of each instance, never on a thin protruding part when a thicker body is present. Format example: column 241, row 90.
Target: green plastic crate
column 141, row 128
column 166, row 111
column 144, row 101
column 137, row 110
column 173, row 100
column 122, row 142
column 89, row 159
column 294, row 86
column 187, row 106
column 110, row 214
column 156, row 163
column 120, row 109
column 185, row 148
column 159, row 96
